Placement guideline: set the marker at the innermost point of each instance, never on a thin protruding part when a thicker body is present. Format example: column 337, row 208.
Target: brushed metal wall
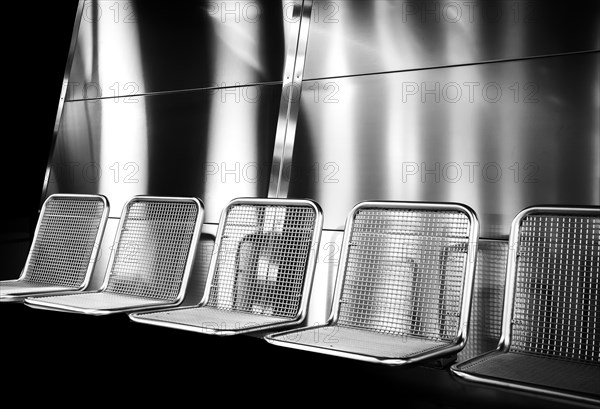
column 178, row 100
column 214, row 144
column 497, row 137
column 493, row 104
column 351, row 37
column 135, row 47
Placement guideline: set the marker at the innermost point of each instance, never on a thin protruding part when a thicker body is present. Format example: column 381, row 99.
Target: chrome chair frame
column 331, row 346
column 107, row 301
column 539, row 361
column 30, row 283
column 209, row 318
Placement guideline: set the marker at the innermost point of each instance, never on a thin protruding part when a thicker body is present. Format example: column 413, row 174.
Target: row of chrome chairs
column 402, row 295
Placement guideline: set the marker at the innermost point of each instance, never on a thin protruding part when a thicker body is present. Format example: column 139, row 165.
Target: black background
column 36, row 37
column 74, row 359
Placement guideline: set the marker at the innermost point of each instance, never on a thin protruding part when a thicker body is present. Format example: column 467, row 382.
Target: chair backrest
column 150, row 256
column 66, row 240
column 553, row 281
column 264, row 257
column 407, row 269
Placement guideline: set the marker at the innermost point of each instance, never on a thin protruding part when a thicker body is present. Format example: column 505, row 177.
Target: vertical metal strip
column 290, row 103
column 288, row 150
column 63, row 95
column 288, row 81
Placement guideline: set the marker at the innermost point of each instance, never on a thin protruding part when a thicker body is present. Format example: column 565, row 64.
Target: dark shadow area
column 100, row 356
column 36, row 46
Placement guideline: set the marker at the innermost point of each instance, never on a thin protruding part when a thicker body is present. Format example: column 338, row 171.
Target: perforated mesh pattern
column 363, row 342
column 534, row 370
column 153, row 248
column 211, row 319
column 15, row 288
column 62, row 250
column 485, row 325
column 556, row 309
column 102, row 302
column 262, row 259
column 404, row 273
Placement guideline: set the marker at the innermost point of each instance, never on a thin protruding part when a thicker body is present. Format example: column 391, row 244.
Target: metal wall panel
column 350, row 37
column 133, row 47
column 213, row 144
column 498, row 137
column 485, row 322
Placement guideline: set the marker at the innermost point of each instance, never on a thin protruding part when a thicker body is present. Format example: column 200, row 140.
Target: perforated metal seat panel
column 98, row 303
column 16, row 288
column 211, row 320
column 261, row 272
column 404, row 283
column 535, row 371
column 352, row 341
column 552, row 311
column 151, row 260
column 556, row 309
column 64, row 247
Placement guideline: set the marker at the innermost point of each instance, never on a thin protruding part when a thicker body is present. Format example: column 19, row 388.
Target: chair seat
column 63, row 252
column 150, row 261
column 94, row 303
column 18, row 289
column 209, row 320
column 357, row 343
column 534, row 372
column 261, row 270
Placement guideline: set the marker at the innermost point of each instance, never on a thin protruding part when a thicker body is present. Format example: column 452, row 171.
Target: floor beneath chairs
column 54, row 356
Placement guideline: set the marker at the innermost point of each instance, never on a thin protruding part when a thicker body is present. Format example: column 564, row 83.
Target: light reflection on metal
column 497, row 137
column 441, row 132
column 214, row 144
column 134, row 47
column 392, row 35
column 63, row 97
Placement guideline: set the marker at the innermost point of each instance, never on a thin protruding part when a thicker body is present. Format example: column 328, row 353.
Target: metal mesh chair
column 550, row 340
column 261, row 273
column 150, row 263
column 404, row 284
column 64, row 247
